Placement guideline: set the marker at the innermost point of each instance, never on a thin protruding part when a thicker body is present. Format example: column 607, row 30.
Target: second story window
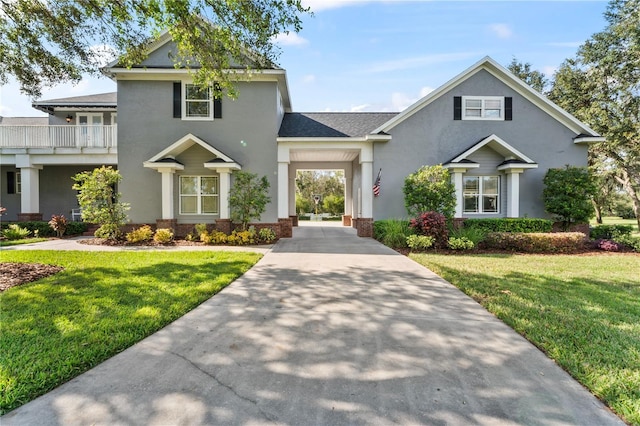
column 197, row 103
column 482, row 108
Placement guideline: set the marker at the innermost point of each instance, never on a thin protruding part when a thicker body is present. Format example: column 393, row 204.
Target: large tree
column 46, row 42
column 601, row 86
column 537, row 80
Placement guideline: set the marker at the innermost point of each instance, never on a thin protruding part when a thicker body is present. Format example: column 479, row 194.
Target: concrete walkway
column 327, row 329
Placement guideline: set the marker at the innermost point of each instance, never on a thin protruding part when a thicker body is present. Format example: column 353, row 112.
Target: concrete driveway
column 327, row 329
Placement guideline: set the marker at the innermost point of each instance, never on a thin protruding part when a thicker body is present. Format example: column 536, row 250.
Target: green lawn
column 614, row 220
column 5, row 243
column 583, row 311
column 102, row 303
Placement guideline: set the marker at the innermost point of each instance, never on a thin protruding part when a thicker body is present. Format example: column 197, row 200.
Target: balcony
column 72, row 136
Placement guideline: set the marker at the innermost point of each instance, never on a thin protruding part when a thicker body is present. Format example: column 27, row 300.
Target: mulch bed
column 14, row 274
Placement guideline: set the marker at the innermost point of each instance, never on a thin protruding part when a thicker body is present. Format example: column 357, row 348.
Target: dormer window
column 197, row 103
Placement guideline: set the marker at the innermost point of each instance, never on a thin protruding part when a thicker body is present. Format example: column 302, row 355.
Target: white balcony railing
column 58, row 136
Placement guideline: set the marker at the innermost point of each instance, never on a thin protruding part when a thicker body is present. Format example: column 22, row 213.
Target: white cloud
column 81, row 88
column 309, row 78
column 417, row 62
column 425, row 91
column 359, row 108
column 102, row 54
column 501, row 30
column 401, row 101
column 291, row 39
column 549, row 70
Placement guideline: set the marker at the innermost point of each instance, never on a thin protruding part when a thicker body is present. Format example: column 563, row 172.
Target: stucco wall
column 431, row 136
column 246, row 132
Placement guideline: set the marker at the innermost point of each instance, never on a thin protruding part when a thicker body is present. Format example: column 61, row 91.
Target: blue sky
column 384, row 55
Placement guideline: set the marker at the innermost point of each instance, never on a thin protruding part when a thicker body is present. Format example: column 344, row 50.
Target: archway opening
column 320, row 195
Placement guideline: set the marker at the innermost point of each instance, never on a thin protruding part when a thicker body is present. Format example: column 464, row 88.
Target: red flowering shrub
column 607, row 245
column 432, row 224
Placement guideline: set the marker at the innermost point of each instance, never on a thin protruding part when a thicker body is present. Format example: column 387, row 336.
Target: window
column 14, row 183
column 199, row 195
column 18, row 183
column 481, row 194
column 197, row 103
column 483, row 108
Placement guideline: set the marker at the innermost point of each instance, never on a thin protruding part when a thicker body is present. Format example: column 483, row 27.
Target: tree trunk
column 598, row 210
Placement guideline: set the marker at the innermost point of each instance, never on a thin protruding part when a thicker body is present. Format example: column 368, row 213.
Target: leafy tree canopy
column 248, row 197
column 429, row 189
column 533, row 78
column 601, row 87
column 568, row 193
column 45, row 42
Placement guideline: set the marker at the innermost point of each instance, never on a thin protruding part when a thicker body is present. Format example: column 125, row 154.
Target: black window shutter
column 508, row 108
column 177, row 100
column 457, row 107
column 11, row 182
column 217, row 105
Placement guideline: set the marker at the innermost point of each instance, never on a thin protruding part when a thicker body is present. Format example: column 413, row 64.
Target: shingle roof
column 24, row 121
column 332, row 124
column 99, row 100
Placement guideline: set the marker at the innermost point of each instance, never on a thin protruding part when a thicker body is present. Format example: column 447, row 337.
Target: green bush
column 475, row 235
column 267, row 235
column 163, row 236
column 533, row 242
column 632, row 243
column 420, row 242
column 392, row 232
column 430, row 189
column 140, row 235
column 610, row 232
column 15, row 232
column 624, row 209
column 214, row 237
column 108, row 231
column 460, row 243
column 242, row 238
column 509, row 224
column 568, row 193
column 42, row 229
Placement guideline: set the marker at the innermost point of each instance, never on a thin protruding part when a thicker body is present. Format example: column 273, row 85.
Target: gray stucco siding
column 246, row 133
column 432, row 136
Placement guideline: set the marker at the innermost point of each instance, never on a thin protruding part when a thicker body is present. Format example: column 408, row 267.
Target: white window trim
column 18, row 183
column 184, row 104
column 89, row 115
column 114, row 118
column 483, row 99
column 198, row 196
column 481, row 194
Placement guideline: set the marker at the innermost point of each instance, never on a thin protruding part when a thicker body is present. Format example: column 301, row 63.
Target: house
column 177, row 146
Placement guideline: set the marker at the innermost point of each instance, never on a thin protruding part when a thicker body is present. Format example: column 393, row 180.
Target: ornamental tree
column 248, row 197
column 100, row 202
column 568, row 194
column 430, row 189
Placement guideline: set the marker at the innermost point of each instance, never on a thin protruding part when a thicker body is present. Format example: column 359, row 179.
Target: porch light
column 69, row 118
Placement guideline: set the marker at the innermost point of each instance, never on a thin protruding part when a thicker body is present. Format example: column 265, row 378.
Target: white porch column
column 168, row 211
column 283, row 190
column 513, row 192
column 292, row 191
column 30, row 197
column 225, row 187
column 366, row 167
column 457, row 182
column 348, row 195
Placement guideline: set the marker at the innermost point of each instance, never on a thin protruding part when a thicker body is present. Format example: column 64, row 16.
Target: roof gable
column 498, row 145
column 184, row 143
column 504, row 75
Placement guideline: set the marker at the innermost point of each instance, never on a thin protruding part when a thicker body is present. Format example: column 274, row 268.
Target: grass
column 583, row 311
column 5, row 243
column 102, row 303
column 614, row 220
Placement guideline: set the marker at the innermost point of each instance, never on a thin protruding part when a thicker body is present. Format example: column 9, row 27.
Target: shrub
column 460, row 243
column 392, row 232
column 419, row 242
column 509, row 224
column 624, row 209
column 15, row 232
column 475, row 235
column 248, row 197
column 610, row 232
column 633, row 243
column 607, row 245
column 533, row 242
column 163, row 236
column 59, row 224
column 568, row 193
column 242, row 238
column 108, row 231
column 267, row 235
column 75, row 228
column 140, row 235
column 430, row 189
column 42, row 229
column 432, row 224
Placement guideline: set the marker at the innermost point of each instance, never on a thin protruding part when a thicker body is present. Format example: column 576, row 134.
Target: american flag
column 376, row 185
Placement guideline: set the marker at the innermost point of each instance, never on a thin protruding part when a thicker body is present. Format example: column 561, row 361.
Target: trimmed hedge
column 509, row 224
column 609, row 232
column 44, row 230
column 536, row 242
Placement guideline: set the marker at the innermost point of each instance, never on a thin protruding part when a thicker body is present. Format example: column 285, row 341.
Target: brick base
column 29, row 217
column 346, row 220
column 294, row 220
column 224, row 225
column 286, row 228
column 354, row 222
column 167, row 223
column 365, row 227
